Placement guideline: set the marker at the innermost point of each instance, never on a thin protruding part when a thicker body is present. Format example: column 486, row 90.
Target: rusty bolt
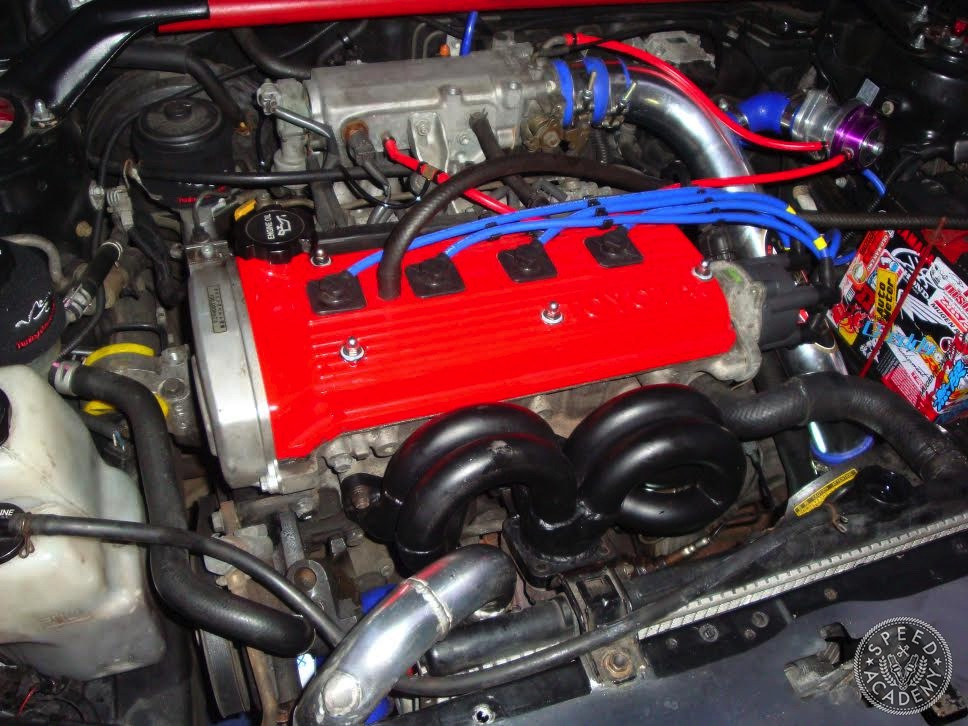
column 305, row 578
column 617, row 664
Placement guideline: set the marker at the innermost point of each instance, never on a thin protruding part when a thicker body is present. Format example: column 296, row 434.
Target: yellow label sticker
column 886, row 293
column 823, row 493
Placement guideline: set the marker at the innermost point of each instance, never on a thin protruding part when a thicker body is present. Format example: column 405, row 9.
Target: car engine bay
column 443, row 363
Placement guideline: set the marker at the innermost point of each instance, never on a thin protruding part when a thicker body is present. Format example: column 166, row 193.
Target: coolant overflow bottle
column 81, row 608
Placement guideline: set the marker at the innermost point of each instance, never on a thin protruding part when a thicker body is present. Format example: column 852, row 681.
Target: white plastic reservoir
column 74, row 607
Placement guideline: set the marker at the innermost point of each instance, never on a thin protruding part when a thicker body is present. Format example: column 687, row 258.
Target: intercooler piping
column 199, row 602
column 707, row 148
column 645, row 99
column 420, row 612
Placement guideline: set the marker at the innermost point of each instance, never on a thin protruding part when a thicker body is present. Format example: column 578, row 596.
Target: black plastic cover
column 274, row 234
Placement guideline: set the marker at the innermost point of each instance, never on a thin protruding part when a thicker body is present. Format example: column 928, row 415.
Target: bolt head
column 342, row 694
column 703, row 271
column 305, row 578
column 709, row 632
column 352, row 351
column 552, row 314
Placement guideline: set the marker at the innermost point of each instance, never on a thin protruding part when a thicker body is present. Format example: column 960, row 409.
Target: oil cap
column 10, row 544
column 274, row 234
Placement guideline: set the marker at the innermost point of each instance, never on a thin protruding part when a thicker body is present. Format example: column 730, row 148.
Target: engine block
column 495, row 340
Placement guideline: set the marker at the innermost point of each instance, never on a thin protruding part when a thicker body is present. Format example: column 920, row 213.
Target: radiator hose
column 186, row 593
column 927, row 449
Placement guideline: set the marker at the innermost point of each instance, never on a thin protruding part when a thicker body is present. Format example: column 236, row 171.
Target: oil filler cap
column 274, row 234
column 10, row 545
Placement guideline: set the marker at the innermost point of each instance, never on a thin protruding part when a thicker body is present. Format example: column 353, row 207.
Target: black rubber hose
column 525, row 461
column 599, row 145
column 433, row 441
column 196, row 599
column 273, row 179
column 492, row 150
column 629, row 412
column 267, row 62
column 485, row 641
column 345, row 40
column 925, row 447
column 113, row 530
column 568, row 650
column 848, row 220
column 181, row 59
column 96, row 271
column 390, row 271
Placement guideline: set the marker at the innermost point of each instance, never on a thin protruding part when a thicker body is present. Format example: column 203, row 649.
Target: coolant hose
column 421, row 611
column 925, row 447
column 198, row 601
column 390, row 271
column 180, row 59
column 272, row 65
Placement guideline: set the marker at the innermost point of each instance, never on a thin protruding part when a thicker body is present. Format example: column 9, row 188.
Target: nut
column 617, row 664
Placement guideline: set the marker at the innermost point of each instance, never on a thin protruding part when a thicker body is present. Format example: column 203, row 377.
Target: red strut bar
column 242, row 13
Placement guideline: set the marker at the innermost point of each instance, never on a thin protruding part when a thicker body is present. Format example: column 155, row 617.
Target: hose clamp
column 62, row 376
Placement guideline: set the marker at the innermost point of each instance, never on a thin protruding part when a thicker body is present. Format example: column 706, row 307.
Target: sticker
column 216, row 309
column 886, row 293
column 868, row 92
column 821, row 495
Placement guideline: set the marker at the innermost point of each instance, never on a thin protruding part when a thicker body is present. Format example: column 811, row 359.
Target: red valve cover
column 485, row 344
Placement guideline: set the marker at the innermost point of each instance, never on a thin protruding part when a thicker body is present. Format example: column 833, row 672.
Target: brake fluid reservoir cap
column 10, row 545
column 274, row 234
